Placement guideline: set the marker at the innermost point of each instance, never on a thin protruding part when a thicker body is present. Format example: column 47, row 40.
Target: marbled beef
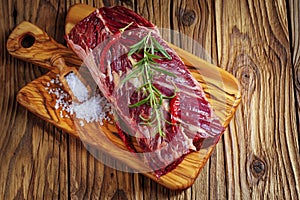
column 97, row 40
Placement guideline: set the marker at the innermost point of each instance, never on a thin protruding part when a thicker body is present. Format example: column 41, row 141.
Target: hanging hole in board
column 27, row 41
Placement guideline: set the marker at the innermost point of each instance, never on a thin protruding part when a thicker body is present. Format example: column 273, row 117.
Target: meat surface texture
column 188, row 117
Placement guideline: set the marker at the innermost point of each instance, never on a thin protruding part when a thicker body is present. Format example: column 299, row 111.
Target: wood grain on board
column 258, row 156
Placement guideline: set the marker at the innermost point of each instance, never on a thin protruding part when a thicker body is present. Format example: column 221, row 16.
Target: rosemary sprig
column 145, row 69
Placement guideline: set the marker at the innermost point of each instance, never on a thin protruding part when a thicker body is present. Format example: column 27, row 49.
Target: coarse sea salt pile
column 86, row 109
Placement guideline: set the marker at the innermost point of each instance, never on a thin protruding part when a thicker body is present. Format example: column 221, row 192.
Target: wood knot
column 120, row 195
column 247, row 73
column 186, row 17
column 107, row 3
column 127, row 2
column 246, row 76
column 258, row 168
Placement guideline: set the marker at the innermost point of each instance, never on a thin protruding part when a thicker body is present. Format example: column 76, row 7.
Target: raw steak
column 97, row 40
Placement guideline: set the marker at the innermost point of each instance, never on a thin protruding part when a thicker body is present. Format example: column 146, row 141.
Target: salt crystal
column 81, row 123
column 56, row 106
column 57, row 81
column 61, row 114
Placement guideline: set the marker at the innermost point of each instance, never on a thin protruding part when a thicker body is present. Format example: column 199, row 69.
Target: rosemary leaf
column 152, row 56
column 134, row 73
column 141, row 62
column 137, row 46
column 141, row 102
column 133, row 50
column 161, row 49
column 163, row 71
column 145, row 119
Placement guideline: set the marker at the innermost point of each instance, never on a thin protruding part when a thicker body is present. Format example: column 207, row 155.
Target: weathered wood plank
column 34, row 155
column 262, row 154
column 294, row 22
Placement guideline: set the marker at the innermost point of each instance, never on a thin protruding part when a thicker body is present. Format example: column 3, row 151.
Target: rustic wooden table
column 258, row 156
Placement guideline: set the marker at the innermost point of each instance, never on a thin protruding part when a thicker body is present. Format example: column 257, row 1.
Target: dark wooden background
column 258, row 156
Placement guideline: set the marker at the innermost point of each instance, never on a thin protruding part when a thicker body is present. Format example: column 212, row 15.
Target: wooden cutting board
column 29, row 43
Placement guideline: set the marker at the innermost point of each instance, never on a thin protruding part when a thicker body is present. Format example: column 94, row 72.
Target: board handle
column 31, row 44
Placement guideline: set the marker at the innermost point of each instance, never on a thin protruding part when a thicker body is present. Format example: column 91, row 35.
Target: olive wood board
column 30, row 43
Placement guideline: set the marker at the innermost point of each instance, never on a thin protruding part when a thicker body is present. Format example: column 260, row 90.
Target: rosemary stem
column 123, row 29
column 147, row 68
column 159, row 126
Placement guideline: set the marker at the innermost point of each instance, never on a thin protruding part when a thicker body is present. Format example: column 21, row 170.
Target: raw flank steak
column 179, row 120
